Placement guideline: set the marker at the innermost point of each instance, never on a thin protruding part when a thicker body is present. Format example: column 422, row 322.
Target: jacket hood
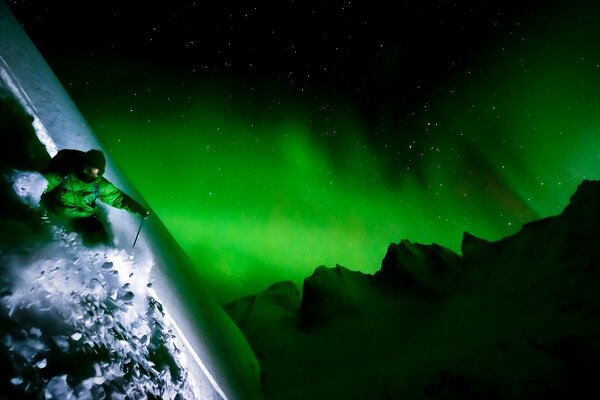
column 96, row 159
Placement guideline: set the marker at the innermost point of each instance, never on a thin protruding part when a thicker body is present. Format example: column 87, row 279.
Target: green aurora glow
column 259, row 185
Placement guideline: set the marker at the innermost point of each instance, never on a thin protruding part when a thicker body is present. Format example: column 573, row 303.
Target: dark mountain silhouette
column 518, row 318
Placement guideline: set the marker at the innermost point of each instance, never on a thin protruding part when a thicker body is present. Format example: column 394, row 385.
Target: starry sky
column 274, row 138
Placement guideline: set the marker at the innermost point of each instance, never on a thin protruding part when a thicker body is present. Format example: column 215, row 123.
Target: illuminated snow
column 91, row 307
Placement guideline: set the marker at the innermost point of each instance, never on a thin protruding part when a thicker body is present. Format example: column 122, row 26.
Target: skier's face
column 91, row 173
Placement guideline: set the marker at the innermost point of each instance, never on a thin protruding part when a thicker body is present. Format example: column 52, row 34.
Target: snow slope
column 106, row 321
column 79, row 323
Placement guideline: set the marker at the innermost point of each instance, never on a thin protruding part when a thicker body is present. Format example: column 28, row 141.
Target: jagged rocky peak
column 408, row 269
column 428, row 270
column 331, row 292
column 582, row 215
column 543, row 250
column 471, row 244
column 279, row 300
column 587, row 196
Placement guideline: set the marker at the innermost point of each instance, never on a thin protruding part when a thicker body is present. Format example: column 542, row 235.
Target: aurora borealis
column 271, row 149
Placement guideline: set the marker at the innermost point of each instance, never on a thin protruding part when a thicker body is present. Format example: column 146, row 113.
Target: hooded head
column 95, row 159
column 94, row 165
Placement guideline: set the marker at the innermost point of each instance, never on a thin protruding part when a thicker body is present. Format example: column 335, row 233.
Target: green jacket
column 71, row 197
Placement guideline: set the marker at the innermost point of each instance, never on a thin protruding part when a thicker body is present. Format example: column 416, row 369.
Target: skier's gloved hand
column 141, row 211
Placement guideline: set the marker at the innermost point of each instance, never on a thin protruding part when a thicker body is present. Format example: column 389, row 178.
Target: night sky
column 274, row 138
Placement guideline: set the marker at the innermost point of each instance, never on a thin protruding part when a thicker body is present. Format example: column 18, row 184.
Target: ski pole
column 138, row 233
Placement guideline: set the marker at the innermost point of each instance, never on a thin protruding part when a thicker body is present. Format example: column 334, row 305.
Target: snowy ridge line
column 17, row 89
column 44, row 137
column 189, row 346
column 20, row 93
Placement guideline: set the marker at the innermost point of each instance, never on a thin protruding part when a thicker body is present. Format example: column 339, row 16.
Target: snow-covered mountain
column 514, row 319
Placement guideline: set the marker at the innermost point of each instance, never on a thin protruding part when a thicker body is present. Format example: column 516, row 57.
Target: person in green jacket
column 75, row 185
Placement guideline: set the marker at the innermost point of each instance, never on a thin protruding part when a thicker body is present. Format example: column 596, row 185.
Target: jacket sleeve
column 54, row 180
column 112, row 196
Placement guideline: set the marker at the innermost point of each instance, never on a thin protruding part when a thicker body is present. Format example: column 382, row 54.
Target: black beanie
column 95, row 158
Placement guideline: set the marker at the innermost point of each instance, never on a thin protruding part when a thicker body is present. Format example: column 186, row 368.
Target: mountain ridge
column 509, row 319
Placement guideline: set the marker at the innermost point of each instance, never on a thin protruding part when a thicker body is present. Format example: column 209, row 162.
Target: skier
column 75, row 183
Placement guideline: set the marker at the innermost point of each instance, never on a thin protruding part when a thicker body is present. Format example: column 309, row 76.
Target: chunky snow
column 78, row 322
